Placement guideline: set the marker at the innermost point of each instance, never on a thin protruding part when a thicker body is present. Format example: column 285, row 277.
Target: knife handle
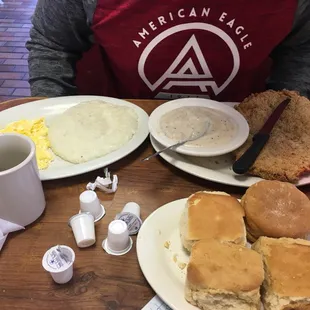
column 244, row 163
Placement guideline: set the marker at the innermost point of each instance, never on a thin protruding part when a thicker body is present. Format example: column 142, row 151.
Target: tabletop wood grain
column 100, row 281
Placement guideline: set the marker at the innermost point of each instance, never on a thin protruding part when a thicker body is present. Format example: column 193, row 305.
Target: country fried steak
column 286, row 156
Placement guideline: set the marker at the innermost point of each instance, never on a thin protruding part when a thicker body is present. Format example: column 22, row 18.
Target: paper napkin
column 156, row 304
column 5, row 228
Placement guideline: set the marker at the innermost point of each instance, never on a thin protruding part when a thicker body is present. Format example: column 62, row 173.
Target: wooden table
column 100, row 281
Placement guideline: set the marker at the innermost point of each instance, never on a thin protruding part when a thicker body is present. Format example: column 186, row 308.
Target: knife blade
column 244, row 163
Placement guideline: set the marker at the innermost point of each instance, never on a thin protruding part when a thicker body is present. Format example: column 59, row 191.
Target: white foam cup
column 131, row 216
column 89, row 202
column 132, row 207
column 83, row 227
column 58, row 261
column 118, row 241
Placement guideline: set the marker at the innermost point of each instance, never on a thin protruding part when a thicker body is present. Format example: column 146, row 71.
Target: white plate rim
column 52, row 105
column 242, row 134
column 185, row 165
column 145, row 257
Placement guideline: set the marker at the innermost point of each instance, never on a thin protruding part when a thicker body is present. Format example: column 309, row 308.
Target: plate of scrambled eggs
column 34, row 120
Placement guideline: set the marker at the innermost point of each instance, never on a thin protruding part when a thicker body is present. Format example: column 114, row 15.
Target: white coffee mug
column 22, row 198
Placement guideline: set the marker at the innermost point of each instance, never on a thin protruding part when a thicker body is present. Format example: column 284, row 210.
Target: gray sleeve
column 59, row 36
column 291, row 59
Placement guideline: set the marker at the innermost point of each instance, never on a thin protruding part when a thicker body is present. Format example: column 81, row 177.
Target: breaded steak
column 286, row 156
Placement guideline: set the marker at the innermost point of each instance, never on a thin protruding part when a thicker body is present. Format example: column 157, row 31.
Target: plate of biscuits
column 212, row 251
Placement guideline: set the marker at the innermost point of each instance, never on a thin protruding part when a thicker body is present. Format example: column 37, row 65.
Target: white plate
column 217, row 169
column 156, row 261
column 240, row 137
column 48, row 108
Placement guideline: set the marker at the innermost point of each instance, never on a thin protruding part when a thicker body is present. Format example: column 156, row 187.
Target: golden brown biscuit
column 223, row 276
column 287, row 273
column 276, row 209
column 212, row 215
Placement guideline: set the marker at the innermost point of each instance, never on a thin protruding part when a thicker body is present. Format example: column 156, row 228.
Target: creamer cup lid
column 58, row 258
column 133, row 222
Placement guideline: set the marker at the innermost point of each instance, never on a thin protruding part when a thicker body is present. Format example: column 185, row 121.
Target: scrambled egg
column 37, row 131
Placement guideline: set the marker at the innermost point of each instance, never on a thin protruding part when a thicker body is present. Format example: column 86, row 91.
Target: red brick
column 22, row 92
column 6, row 49
column 17, row 30
column 13, row 25
column 11, row 75
column 6, row 91
column 13, row 39
column 10, row 3
column 15, row 84
column 20, row 50
column 16, row 44
column 13, row 15
column 20, row 69
column 24, row 10
column 22, row 62
column 7, row 9
column 7, row 68
column 21, row 34
column 11, row 55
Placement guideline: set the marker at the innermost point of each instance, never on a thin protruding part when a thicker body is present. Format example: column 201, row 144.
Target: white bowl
column 237, row 140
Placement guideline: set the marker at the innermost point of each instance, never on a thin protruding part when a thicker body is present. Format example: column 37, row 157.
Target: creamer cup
column 118, row 241
column 58, row 261
column 132, row 207
column 131, row 216
column 89, row 202
column 83, row 227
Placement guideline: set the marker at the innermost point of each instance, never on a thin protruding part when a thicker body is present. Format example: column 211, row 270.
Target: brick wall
column 14, row 32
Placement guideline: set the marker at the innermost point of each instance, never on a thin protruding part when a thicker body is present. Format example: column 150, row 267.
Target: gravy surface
column 183, row 123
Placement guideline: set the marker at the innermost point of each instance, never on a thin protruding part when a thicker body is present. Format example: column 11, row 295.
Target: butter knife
column 244, row 163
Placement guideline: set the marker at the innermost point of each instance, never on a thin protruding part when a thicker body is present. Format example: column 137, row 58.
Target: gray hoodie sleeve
column 59, row 36
column 291, row 59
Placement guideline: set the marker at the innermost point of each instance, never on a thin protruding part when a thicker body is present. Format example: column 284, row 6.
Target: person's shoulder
column 302, row 12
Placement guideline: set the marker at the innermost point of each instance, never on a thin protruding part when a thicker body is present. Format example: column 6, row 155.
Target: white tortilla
column 91, row 130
